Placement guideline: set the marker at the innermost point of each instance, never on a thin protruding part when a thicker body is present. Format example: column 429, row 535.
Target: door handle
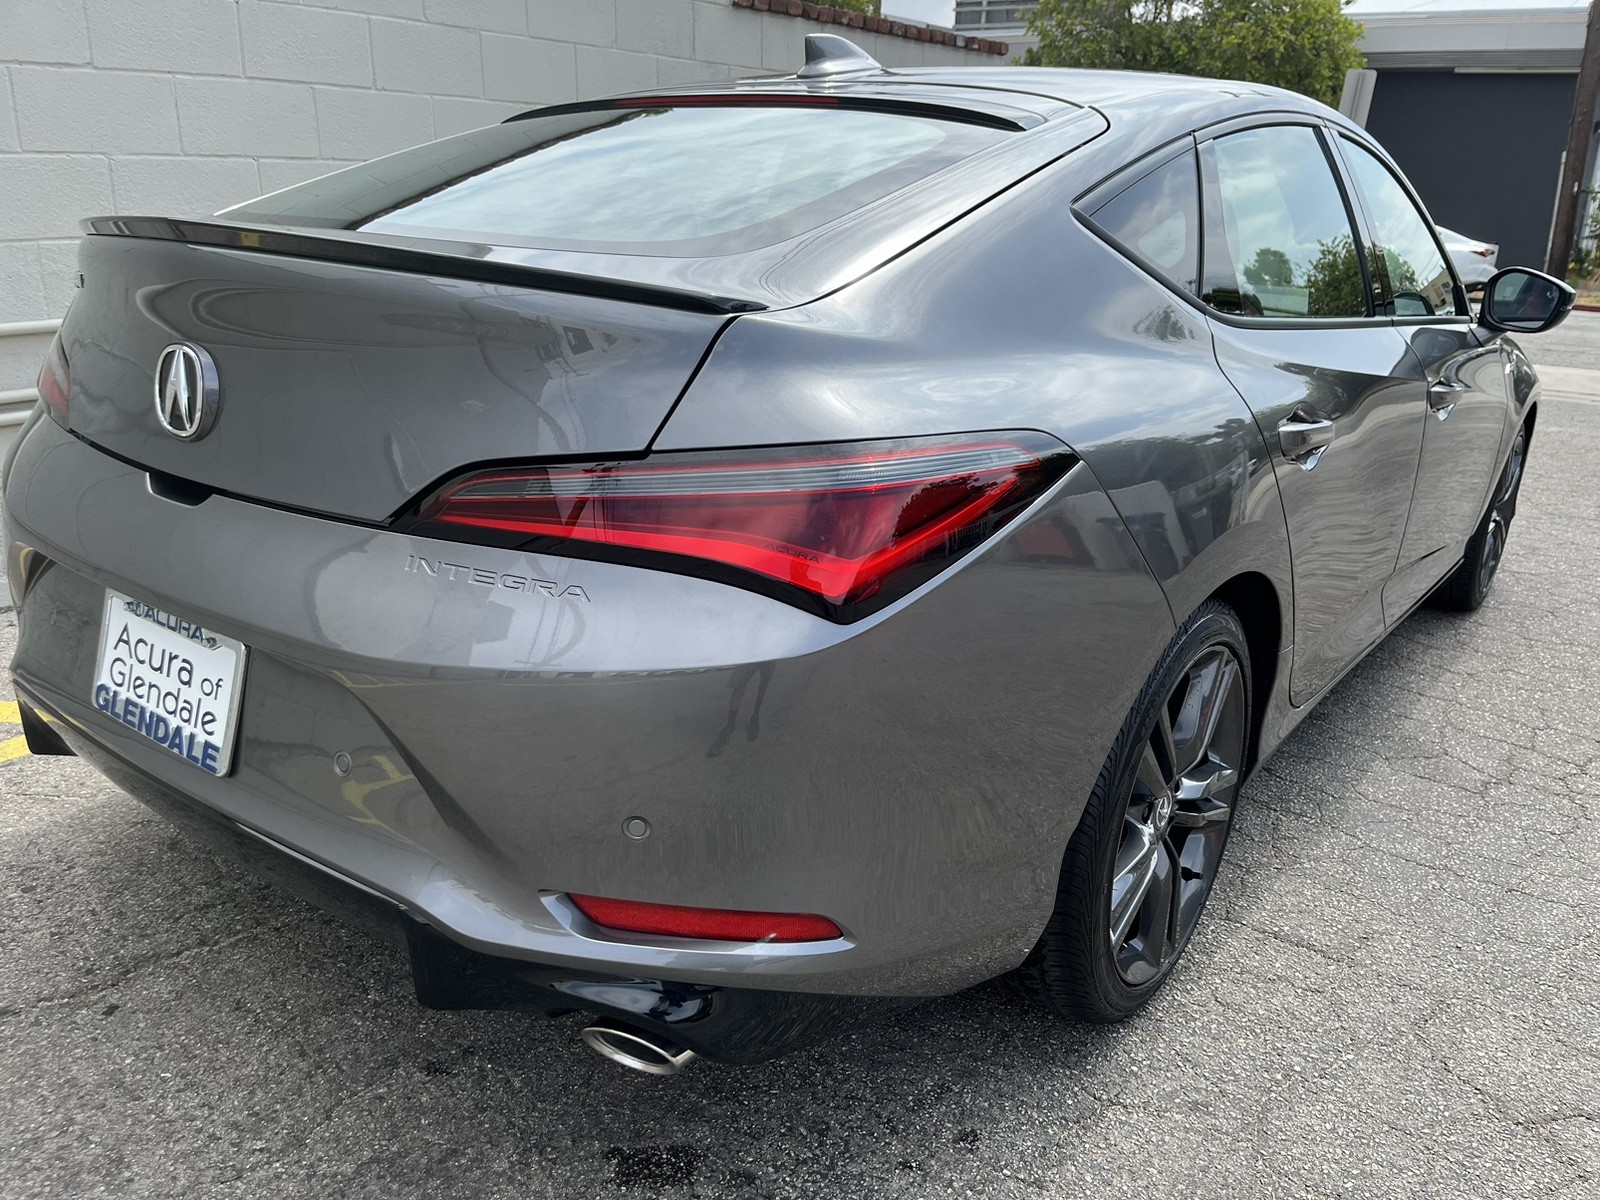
column 1303, row 436
column 1442, row 396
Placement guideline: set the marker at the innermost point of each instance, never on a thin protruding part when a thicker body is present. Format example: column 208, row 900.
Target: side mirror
column 1518, row 300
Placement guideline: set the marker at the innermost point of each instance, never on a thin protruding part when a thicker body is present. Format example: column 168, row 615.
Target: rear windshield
column 677, row 181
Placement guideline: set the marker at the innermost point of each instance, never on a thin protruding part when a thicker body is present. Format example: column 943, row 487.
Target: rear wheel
column 1140, row 866
column 1468, row 586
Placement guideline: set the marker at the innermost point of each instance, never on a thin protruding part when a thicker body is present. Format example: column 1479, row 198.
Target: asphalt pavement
column 1396, row 991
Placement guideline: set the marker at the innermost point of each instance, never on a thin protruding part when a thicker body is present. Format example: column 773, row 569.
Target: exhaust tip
column 637, row 1051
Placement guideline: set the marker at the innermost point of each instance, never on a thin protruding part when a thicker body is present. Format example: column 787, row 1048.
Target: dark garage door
column 1484, row 150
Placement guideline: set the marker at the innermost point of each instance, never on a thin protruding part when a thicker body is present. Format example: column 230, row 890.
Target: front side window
column 1285, row 228
column 1157, row 221
column 1413, row 277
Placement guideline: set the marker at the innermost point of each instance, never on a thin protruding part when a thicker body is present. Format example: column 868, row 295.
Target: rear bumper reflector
column 716, row 924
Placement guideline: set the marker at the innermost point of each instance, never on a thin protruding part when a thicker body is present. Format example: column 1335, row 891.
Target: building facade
column 1003, row 19
column 1474, row 100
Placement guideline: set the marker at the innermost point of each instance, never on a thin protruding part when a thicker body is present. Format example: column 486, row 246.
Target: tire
column 1082, row 968
column 1467, row 587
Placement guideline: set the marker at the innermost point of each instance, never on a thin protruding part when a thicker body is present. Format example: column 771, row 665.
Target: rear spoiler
column 385, row 257
column 991, row 114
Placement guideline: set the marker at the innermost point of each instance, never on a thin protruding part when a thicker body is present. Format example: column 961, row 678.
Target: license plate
column 170, row 681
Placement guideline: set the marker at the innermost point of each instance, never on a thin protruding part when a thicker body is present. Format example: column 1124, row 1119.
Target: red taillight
column 841, row 525
column 55, row 380
column 715, row 924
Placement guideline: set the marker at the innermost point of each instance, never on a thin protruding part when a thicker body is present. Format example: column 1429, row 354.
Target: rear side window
column 1413, row 276
column 1285, row 228
column 1157, row 222
column 661, row 180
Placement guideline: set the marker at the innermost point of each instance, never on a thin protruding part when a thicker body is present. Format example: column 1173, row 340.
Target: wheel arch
column 1254, row 598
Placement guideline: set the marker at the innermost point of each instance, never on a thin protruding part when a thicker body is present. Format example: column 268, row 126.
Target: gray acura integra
column 733, row 561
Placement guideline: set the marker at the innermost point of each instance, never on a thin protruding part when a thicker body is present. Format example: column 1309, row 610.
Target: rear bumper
column 1474, row 271
column 913, row 777
column 731, row 1025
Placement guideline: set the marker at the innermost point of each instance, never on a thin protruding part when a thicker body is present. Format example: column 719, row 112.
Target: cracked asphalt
column 1396, row 990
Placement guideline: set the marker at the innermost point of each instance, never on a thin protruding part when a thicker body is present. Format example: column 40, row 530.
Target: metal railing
column 16, row 404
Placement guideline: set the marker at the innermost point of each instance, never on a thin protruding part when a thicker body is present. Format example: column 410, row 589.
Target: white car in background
column 1474, row 260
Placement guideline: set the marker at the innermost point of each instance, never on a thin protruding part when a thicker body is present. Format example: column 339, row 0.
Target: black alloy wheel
column 1142, row 862
column 1468, row 586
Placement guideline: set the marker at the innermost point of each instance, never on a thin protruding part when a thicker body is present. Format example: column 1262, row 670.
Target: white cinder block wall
column 182, row 107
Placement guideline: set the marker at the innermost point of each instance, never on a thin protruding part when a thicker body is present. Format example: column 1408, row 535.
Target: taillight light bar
column 839, row 529
column 711, row 924
column 55, row 381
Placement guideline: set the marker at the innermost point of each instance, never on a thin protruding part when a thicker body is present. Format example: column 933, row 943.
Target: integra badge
column 437, row 568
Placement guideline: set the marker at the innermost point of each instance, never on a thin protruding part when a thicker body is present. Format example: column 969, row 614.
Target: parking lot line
column 16, row 747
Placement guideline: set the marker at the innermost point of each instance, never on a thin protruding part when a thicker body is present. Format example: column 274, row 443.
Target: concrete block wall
column 182, row 107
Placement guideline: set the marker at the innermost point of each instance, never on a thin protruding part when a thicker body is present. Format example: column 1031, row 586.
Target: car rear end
column 1474, row 260
column 338, row 533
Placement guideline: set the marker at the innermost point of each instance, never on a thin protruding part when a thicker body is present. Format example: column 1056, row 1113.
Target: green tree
column 1271, row 268
column 1334, row 283
column 1585, row 263
column 873, row 8
column 1304, row 45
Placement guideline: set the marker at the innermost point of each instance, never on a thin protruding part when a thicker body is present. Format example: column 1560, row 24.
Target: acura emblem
column 186, row 391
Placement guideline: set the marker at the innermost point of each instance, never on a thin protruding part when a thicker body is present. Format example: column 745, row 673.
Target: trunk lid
column 350, row 390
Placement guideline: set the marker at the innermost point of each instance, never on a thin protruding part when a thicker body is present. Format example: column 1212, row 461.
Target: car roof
column 1109, row 91
column 1142, row 110
column 1122, row 97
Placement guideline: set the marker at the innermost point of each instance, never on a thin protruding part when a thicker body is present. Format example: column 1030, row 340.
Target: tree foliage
column 1585, row 264
column 1271, row 268
column 873, row 8
column 1335, row 286
column 1304, row 45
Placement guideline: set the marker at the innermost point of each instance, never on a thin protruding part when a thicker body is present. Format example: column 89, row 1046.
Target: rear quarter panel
column 1020, row 318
